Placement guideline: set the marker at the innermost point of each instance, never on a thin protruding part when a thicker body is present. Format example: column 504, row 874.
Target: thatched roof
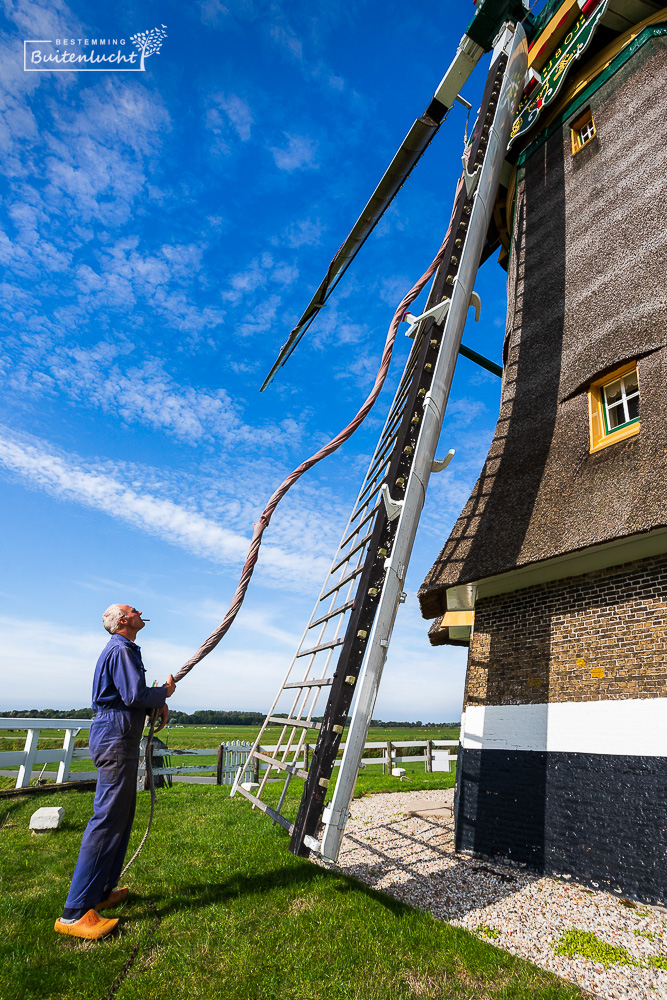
column 587, row 291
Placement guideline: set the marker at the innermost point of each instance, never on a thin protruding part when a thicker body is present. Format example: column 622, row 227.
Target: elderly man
column 121, row 700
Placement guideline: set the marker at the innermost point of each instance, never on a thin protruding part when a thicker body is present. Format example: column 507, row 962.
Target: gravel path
column 412, row 858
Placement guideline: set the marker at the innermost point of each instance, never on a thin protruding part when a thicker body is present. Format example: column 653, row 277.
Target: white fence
column 31, row 757
column 230, row 756
column 435, row 755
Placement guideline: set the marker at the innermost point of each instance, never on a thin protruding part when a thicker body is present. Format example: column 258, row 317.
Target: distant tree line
column 48, row 713
column 379, row 724
column 210, row 717
column 205, row 717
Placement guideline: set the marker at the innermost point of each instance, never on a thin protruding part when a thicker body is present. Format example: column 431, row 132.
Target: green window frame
column 613, row 407
column 621, row 402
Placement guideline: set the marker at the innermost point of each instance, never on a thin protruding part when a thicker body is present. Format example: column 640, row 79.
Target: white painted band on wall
column 632, row 727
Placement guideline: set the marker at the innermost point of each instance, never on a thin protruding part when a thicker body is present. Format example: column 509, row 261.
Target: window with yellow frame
column 613, row 407
column 582, row 130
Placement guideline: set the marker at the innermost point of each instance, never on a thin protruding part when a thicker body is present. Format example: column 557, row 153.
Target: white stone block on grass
column 47, row 818
column 398, row 772
column 250, row 786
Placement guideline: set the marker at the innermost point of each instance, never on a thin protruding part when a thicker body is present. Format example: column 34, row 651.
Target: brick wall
column 601, row 636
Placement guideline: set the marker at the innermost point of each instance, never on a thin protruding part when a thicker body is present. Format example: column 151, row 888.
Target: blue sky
column 160, row 233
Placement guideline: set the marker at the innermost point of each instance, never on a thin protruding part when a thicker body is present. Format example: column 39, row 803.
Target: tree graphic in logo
column 149, row 42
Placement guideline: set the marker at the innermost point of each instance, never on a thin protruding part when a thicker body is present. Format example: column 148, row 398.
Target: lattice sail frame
column 375, row 552
column 315, row 661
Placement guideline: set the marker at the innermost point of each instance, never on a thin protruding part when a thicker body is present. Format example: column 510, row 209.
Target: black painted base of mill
column 599, row 818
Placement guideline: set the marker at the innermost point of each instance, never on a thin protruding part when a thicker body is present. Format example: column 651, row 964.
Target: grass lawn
column 240, row 919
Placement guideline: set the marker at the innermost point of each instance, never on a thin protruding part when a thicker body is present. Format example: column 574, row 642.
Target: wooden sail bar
column 475, row 42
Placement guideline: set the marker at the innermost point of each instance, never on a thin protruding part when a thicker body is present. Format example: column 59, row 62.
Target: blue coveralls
column 121, row 700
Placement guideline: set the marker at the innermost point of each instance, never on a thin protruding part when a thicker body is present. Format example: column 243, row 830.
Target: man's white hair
column 112, row 616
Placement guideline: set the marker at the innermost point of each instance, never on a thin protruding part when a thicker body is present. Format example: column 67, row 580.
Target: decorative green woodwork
column 572, row 47
column 648, row 33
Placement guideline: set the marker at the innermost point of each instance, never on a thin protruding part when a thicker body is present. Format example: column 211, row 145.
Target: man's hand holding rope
column 163, row 713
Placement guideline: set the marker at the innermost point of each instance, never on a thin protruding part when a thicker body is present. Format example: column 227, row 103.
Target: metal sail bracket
column 474, row 300
column 471, row 179
column 439, row 464
column 393, row 507
column 462, row 100
column 438, row 312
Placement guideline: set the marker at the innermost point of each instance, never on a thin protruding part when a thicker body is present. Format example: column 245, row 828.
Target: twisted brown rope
column 328, row 449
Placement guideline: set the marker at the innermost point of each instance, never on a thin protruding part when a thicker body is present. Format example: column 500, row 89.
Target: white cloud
column 53, row 668
column 301, row 47
column 298, row 154
column 285, row 274
column 361, row 372
column 36, row 19
column 28, row 256
column 333, row 327
column 90, row 157
column 449, row 490
column 260, row 317
column 18, row 125
column 392, row 290
column 230, row 111
column 245, row 282
column 335, row 82
column 420, row 681
column 315, row 69
column 288, row 40
column 213, row 12
column 98, row 155
column 64, row 476
column 248, row 289
column 111, row 377
column 464, row 411
column 256, row 622
column 52, row 665
column 163, row 280
column 302, row 233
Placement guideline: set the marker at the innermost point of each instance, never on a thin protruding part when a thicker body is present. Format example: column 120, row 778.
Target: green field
column 198, row 735
column 220, row 910
column 210, row 737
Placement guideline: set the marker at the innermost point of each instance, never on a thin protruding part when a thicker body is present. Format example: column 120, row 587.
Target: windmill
column 344, row 645
column 560, row 585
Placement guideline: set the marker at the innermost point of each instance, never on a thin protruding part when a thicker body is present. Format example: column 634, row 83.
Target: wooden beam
column 548, row 41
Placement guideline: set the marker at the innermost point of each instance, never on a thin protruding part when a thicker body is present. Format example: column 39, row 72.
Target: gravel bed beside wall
column 413, row 859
